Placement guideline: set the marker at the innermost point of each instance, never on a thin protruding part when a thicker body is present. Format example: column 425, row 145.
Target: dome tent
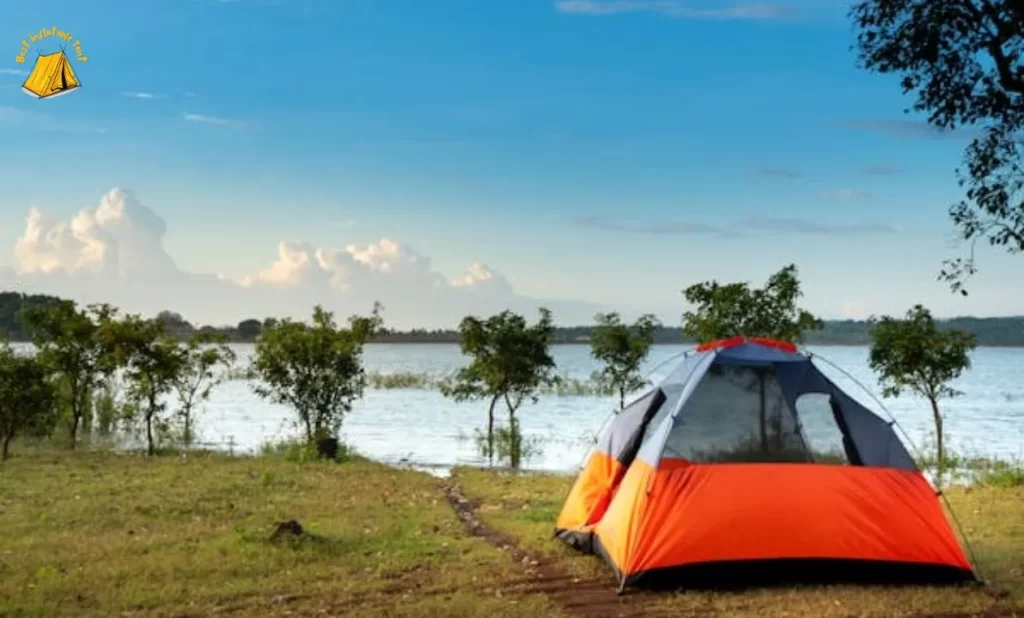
column 746, row 463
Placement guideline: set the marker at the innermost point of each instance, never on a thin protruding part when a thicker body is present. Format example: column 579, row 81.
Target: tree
column 27, row 397
column 196, row 379
column 964, row 62
column 316, row 369
column 249, row 329
column 622, row 350
column 913, row 354
column 70, row 341
column 174, row 324
column 13, row 306
column 153, row 362
column 511, row 362
column 734, row 310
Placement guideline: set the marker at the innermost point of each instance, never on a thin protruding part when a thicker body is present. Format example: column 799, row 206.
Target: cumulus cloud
column 114, row 253
column 676, row 8
column 118, row 237
column 18, row 72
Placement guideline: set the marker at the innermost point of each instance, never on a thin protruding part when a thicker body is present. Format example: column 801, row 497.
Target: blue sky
column 599, row 151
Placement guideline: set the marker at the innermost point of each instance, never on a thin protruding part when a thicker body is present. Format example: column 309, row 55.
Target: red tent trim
column 735, row 341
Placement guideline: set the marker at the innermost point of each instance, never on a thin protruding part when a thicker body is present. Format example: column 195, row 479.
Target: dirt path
column 596, row 598
column 587, row 598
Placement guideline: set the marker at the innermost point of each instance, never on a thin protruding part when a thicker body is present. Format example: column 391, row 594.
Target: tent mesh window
column 820, row 429
column 739, row 414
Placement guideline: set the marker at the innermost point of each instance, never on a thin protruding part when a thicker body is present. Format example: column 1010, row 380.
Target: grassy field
column 102, row 534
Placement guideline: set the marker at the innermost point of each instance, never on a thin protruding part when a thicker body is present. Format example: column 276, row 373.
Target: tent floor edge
column 741, row 574
column 582, row 541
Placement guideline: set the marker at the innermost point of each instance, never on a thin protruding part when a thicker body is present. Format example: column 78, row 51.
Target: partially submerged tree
column 511, row 362
column 71, row 342
column 737, row 310
column 27, row 397
column 622, row 349
column 964, row 62
column 914, row 354
column 316, row 369
column 202, row 355
column 153, row 362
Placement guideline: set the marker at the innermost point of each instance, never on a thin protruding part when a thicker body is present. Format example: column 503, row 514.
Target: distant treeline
column 1008, row 331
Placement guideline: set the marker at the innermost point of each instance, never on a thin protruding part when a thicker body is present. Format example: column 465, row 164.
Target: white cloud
column 211, row 120
column 118, row 237
column 140, row 95
column 13, row 72
column 478, row 274
column 114, row 253
column 675, row 8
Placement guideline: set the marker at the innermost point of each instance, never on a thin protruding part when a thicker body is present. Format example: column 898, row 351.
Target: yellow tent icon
column 51, row 76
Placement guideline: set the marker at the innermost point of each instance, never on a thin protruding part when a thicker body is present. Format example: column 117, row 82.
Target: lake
column 420, row 428
column 423, row 429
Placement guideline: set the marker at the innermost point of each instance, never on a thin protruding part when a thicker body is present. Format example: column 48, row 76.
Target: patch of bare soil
column 588, row 598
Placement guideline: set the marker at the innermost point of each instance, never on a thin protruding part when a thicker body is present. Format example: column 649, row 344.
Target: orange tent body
column 747, row 463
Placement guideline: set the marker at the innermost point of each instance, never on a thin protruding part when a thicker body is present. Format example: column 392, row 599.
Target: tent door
column 851, row 449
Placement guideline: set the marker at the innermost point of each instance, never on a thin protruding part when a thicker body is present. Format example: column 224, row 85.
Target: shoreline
column 684, row 346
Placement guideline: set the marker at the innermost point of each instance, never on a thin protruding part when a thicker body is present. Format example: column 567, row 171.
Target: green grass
column 524, row 506
column 100, row 534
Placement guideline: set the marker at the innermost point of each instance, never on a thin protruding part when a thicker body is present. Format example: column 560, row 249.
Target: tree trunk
column 309, row 429
column 186, row 412
column 490, row 429
column 622, row 398
column 149, row 424
column 514, row 453
column 76, row 416
column 6, row 446
column 940, row 451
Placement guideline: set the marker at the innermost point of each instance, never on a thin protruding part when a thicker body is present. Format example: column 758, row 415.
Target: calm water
column 422, row 428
